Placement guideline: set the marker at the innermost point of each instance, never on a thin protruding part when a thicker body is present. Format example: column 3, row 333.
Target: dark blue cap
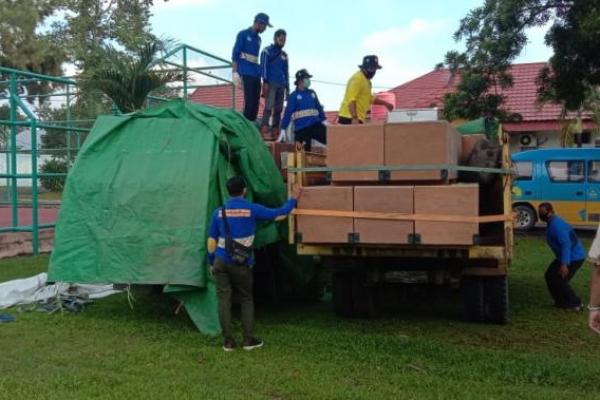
column 262, row 17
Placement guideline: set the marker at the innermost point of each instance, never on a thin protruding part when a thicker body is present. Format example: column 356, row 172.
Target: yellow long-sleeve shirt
column 358, row 89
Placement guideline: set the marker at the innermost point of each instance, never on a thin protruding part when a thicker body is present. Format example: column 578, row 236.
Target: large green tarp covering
column 139, row 197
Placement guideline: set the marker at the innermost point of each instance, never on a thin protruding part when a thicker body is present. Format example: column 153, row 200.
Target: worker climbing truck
column 395, row 207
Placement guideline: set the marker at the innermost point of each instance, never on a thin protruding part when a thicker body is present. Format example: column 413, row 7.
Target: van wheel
column 473, row 298
column 526, row 217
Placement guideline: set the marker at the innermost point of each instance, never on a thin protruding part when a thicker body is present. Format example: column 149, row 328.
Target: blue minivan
column 568, row 178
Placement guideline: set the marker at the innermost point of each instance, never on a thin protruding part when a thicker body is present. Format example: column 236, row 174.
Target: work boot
column 228, row 345
column 252, row 343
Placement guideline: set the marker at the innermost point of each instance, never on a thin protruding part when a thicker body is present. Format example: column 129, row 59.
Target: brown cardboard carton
column 398, row 199
column 355, row 145
column 461, row 199
column 414, row 143
column 279, row 151
column 325, row 229
column 468, row 144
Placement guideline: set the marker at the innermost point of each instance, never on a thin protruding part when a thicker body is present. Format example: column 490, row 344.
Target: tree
column 495, row 35
column 92, row 25
column 24, row 45
column 573, row 73
column 126, row 77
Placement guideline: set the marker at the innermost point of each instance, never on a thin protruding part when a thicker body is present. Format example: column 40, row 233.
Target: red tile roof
column 221, row 96
column 429, row 90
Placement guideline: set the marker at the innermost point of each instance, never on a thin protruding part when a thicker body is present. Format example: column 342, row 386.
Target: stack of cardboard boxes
column 429, row 192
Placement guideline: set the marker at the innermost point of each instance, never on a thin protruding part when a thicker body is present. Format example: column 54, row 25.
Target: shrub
column 54, row 166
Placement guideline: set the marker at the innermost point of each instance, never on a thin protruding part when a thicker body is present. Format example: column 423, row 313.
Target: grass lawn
column 113, row 351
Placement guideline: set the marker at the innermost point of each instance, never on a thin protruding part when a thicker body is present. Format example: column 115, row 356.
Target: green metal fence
column 22, row 119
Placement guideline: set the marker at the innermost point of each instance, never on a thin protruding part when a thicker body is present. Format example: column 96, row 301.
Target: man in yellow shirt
column 358, row 97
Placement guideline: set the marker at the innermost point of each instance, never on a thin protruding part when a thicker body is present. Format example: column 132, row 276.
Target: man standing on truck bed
column 245, row 65
column 358, row 97
column 305, row 112
column 230, row 241
column 275, row 74
column 569, row 254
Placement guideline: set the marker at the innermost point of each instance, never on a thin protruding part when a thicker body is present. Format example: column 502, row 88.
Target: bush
column 54, row 166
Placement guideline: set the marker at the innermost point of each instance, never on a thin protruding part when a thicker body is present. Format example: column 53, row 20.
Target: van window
column 594, row 171
column 566, row 171
column 524, row 170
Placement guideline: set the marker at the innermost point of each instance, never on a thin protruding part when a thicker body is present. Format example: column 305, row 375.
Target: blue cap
column 264, row 18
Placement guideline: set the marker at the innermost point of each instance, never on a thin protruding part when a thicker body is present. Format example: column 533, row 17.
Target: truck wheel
column 473, row 298
column 496, row 299
column 526, row 217
column 343, row 303
column 363, row 297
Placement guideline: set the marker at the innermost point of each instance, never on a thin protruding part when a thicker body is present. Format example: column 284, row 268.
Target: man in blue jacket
column 275, row 75
column 231, row 272
column 245, row 64
column 570, row 255
column 304, row 110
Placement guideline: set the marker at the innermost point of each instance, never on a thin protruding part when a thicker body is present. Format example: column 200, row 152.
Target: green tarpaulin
column 484, row 126
column 139, row 196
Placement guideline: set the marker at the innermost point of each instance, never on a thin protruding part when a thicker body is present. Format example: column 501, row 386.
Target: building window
column 524, row 170
column 566, row 171
column 594, row 171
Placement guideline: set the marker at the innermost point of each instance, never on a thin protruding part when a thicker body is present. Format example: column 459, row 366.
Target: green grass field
column 113, row 351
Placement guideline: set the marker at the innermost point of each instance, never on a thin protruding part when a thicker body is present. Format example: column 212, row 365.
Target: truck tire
column 496, row 299
column 473, row 298
column 363, row 297
column 343, row 303
column 526, row 217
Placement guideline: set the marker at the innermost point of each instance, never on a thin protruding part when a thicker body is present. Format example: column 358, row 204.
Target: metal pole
column 34, row 189
column 13, row 145
column 68, row 119
column 185, row 78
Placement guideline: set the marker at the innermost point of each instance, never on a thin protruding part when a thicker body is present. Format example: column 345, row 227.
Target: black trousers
column 563, row 294
column 316, row 131
column 251, row 96
column 346, row 121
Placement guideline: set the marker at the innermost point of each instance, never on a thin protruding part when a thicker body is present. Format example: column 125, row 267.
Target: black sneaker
column 252, row 343
column 228, row 345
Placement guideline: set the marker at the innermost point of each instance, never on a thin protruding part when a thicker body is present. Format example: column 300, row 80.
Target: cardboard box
column 414, row 143
column 468, row 143
column 325, row 229
column 279, row 151
column 355, row 145
column 460, row 199
column 398, row 199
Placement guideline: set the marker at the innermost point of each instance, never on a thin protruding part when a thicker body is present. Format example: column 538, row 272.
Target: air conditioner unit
column 528, row 140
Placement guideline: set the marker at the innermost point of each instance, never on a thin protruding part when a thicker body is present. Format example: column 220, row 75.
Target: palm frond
column 126, row 78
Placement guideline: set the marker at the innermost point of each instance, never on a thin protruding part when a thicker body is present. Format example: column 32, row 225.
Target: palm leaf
column 127, row 78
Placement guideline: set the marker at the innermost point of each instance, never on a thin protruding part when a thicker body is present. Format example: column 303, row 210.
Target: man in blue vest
column 304, row 110
column 570, row 255
column 233, row 270
column 275, row 75
column 246, row 68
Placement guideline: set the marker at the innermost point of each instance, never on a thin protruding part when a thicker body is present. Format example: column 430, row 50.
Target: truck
column 362, row 274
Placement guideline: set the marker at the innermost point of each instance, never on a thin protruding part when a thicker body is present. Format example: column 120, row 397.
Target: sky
column 329, row 38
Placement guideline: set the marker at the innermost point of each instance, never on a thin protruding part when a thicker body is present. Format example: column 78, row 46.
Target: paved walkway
column 45, row 216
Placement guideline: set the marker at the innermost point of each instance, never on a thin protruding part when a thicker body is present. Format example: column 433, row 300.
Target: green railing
column 66, row 89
